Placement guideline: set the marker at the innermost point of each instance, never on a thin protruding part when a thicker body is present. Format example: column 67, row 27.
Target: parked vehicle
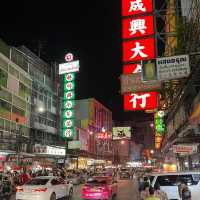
column 75, row 179
column 169, row 183
column 99, row 188
column 124, row 173
column 45, row 188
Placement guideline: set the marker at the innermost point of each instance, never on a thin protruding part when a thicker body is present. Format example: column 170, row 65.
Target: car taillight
column 85, row 188
column 39, row 190
column 19, row 189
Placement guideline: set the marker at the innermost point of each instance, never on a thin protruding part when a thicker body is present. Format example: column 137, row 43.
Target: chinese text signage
column 137, row 27
column 68, row 128
column 140, row 101
column 68, row 110
column 137, row 50
column 135, row 7
column 132, row 69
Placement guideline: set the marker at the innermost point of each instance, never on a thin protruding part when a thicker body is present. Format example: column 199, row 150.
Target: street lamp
column 103, row 130
column 91, row 133
column 151, row 124
column 122, row 142
column 41, row 109
column 152, row 151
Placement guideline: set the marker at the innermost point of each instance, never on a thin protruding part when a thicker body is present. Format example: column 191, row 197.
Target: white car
column 45, row 188
column 169, row 183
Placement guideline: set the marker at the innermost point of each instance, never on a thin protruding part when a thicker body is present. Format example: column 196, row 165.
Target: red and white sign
column 184, row 149
column 69, row 57
column 143, row 49
column 104, row 136
column 132, row 69
column 140, row 101
column 134, row 7
column 137, row 27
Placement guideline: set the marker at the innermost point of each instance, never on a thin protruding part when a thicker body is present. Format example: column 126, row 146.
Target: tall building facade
column 29, row 103
column 182, row 119
column 96, row 119
column 44, row 96
column 15, row 102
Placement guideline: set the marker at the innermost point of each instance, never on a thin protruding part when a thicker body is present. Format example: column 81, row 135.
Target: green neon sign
column 68, row 106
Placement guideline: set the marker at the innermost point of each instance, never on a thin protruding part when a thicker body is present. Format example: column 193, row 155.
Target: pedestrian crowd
column 147, row 192
column 10, row 180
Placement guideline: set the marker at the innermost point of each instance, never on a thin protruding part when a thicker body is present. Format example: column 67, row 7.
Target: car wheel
column 53, row 196
column 70, row 194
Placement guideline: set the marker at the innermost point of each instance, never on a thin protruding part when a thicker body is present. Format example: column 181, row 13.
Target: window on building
column 18, row 115
column 24, row 91
column 25, row 80
column 49, row 104
column 3, row 78
column 1, row 123
column 7, row 125
column 19, row 102
column 5, row 95
column 13, row 71
column 5, row 109
column 3, row 64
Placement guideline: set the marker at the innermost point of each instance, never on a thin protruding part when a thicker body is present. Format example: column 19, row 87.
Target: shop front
column 47, row 157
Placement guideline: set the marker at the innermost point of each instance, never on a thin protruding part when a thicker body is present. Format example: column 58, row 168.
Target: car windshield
column 38, row 181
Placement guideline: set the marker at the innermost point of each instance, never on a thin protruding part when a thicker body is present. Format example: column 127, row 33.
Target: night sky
column 90, row 29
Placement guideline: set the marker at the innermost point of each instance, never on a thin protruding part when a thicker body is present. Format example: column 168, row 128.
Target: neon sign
column 68, row 127
column 140, row 101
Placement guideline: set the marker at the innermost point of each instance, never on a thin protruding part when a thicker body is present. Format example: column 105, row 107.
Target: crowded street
column 100, row 100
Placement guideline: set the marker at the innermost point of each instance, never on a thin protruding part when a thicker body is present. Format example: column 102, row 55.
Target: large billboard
column 121, row 133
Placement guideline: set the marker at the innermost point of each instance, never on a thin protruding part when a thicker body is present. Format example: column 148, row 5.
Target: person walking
column 184, row 191
column 152, row 195
column 159, row 193
column 144, row 193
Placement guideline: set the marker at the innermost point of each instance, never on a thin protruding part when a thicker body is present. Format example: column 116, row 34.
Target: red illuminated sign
column 136, row 50
column 132, row 69
column 140, row 101
column 134, row 7
column 137, row 27
column 104, row 136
